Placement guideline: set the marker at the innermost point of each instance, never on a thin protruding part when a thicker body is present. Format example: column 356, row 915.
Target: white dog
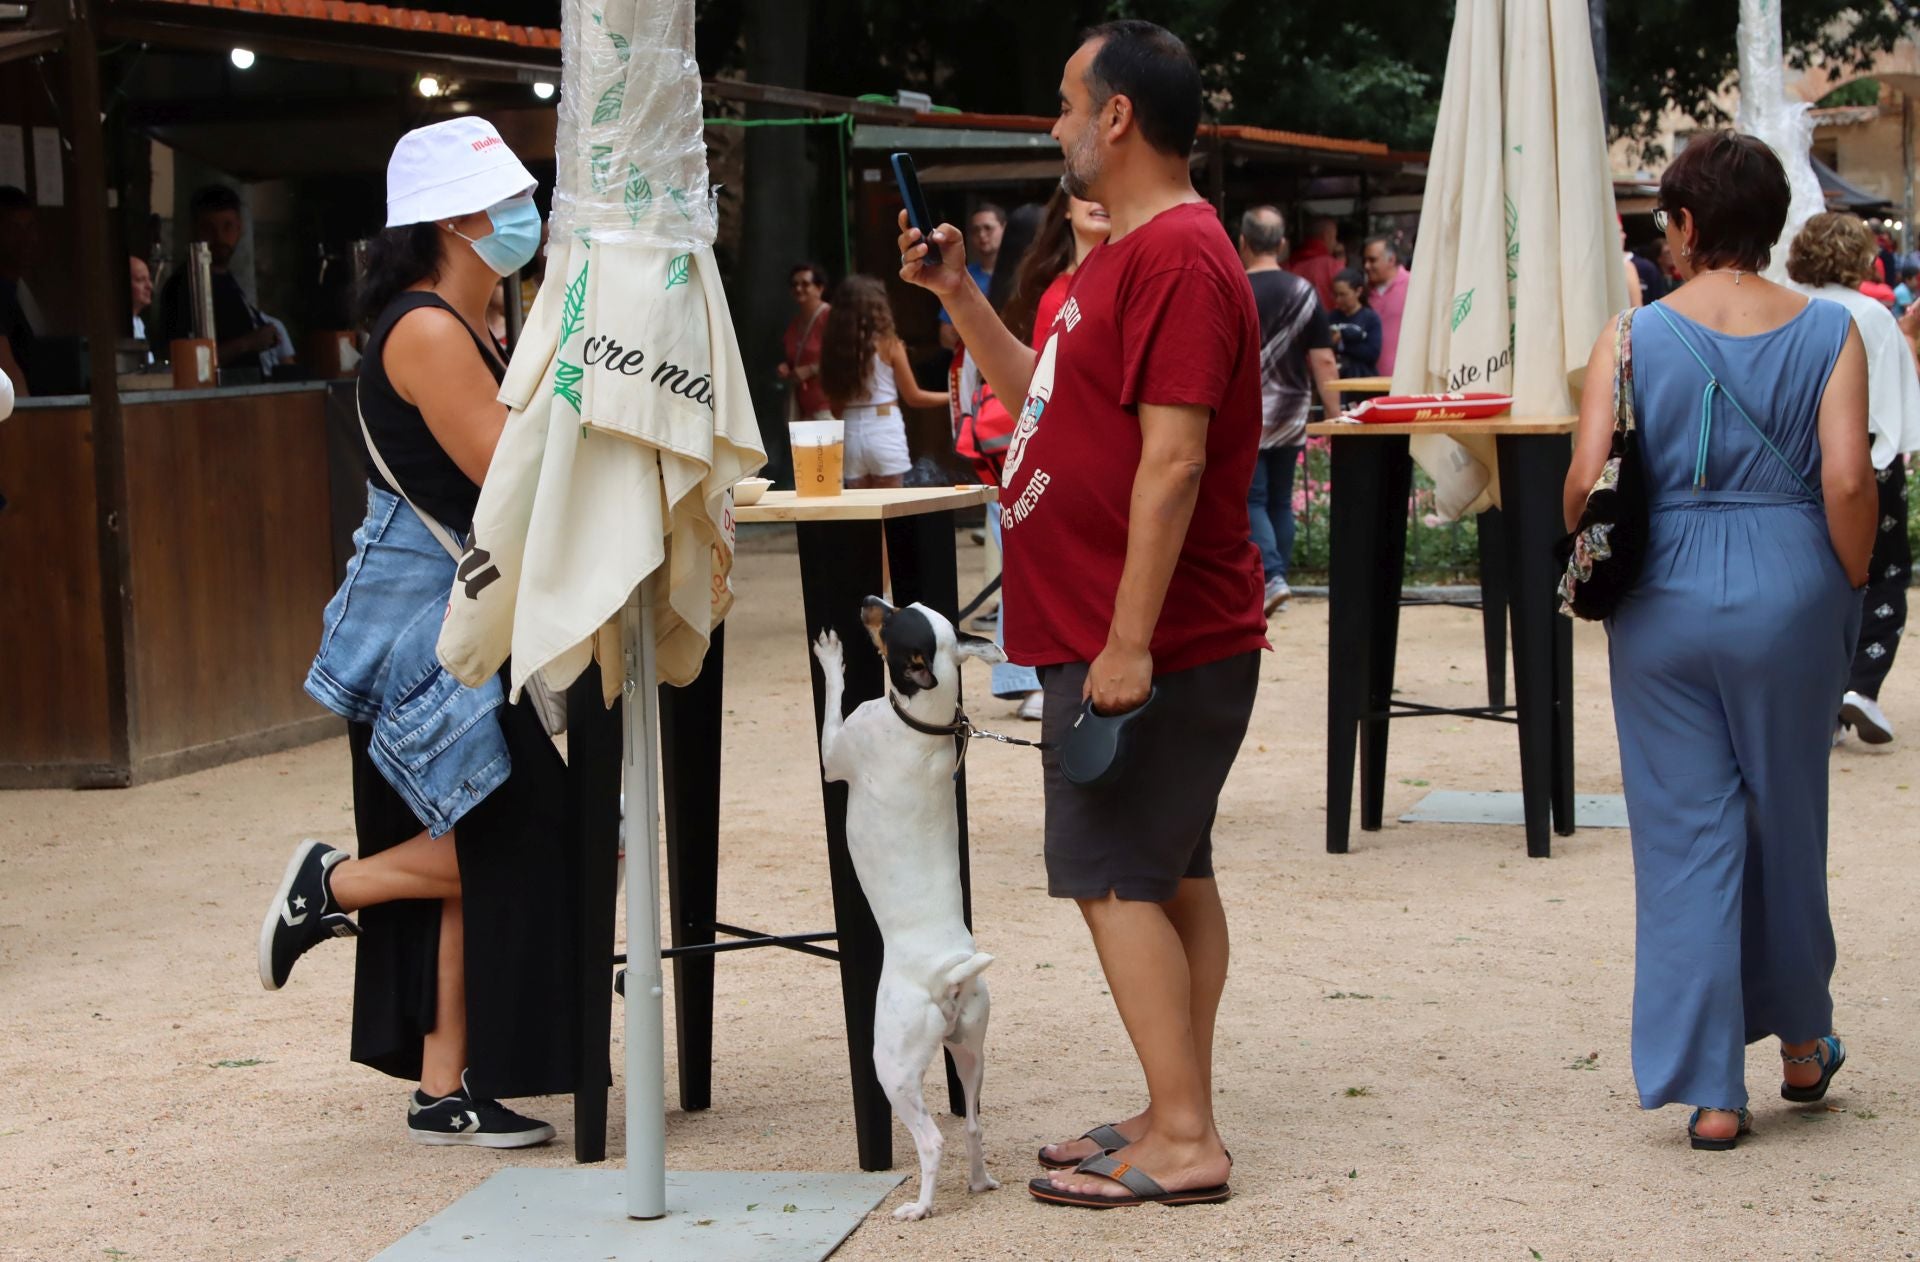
column 904, row 839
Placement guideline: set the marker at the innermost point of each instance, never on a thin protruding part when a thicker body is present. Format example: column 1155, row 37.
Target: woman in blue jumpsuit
column 1731, row 652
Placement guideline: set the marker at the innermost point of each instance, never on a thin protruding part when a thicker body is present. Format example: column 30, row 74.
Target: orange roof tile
column 359, row 13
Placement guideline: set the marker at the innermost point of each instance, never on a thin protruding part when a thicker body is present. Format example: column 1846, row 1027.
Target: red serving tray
column 1401, row 409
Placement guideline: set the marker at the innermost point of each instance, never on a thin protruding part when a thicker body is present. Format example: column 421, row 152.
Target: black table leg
column 1383, row 641
column 690, row 727
column 593, row 824
column 1492, row 536
column 926, row 569
column 1532, row 471
column 1357, row 540
column 839, row 568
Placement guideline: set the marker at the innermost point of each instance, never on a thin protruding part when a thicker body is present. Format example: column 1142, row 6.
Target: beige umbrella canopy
column 1519, row 263
column 631, row 417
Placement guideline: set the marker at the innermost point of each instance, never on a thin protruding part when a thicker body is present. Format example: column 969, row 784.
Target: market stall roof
column 1843, row 195
column 338, row 30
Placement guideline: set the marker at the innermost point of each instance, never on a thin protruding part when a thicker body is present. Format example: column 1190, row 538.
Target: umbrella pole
column 646, row 1046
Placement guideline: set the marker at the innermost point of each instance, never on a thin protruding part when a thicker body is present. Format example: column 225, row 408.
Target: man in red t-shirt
column 1127, row 554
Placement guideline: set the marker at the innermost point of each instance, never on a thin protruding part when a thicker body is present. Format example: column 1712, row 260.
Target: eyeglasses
column 1660, row 220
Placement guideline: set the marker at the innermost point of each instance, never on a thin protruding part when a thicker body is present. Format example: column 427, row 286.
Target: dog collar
column 961, row 729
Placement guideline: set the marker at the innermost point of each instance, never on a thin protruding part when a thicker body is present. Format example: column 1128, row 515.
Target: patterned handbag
column 1603, row 554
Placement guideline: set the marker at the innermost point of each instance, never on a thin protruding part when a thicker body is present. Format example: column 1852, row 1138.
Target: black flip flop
column 1145, row 1191
column 1106, row 1135
column 1705, row 1144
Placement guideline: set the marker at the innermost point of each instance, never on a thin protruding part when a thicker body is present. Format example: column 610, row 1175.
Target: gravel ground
column 1423, row 1049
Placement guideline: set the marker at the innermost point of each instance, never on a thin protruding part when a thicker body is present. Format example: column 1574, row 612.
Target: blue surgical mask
column 515, row 238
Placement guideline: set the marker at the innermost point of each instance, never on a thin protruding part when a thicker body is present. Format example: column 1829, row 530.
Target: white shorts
column 876, row 443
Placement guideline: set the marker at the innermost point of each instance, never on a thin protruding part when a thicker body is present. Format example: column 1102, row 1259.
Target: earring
column 1685, row 252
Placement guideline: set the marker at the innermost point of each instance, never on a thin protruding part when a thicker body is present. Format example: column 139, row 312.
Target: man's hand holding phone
column 944, row 277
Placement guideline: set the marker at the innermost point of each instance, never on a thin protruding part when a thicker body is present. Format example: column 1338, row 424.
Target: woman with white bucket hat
column 458, row 796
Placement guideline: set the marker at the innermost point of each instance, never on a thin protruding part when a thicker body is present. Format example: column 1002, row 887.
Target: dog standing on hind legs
column 904, row 838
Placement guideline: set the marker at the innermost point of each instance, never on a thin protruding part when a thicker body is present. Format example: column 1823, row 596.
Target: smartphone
column 909, row 181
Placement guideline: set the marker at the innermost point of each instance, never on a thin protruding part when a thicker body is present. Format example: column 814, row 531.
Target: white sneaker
column 1031, row 707
column 1278, row 594
column 1863, row 715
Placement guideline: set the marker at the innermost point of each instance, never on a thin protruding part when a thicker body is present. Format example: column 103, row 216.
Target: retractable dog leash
column 962, row 730
column 1091, row 755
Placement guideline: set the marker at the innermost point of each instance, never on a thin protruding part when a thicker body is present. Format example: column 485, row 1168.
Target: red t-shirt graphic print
column 1162, row 316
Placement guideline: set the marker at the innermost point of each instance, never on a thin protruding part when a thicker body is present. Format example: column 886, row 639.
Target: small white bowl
column 749, row 490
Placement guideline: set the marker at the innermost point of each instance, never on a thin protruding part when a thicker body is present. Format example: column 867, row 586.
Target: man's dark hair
column 816, row 273
column 1385, row 243
column 214, row 197
column 989, row 208
column 1909, row 272
column 1149, row 66
column 1735, row 190
column 13, row 198
column 1264, row 229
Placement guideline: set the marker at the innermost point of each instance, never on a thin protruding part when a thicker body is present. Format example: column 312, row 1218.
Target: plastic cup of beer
column 819, row 456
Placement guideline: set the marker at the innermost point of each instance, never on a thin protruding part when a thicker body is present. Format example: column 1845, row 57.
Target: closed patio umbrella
column 1519, row 262
column 604, row 528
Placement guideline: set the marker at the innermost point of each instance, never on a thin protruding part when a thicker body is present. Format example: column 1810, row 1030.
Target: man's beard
column 1082, row 167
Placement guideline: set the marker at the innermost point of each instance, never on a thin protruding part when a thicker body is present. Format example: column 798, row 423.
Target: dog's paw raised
column 826, row 650
column 986, row 1184
column 912, row 1212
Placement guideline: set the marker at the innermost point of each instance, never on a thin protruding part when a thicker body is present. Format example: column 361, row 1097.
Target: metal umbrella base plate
column 1458, row 806
column 561, row 1215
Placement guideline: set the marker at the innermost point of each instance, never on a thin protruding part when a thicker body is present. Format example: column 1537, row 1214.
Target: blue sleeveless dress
column 1729, row 659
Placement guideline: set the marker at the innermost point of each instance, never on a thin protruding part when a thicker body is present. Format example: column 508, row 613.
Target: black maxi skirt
column 519, row 888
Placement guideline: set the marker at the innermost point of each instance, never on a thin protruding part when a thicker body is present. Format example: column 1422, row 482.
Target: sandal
column 1106, row 1135
column 1144, row 1190
column 1707, row 1144
column 1836, row 1056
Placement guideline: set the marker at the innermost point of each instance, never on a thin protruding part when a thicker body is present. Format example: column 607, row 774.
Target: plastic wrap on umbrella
column 631, row 418
column 1766, row 112
column 1520, row 262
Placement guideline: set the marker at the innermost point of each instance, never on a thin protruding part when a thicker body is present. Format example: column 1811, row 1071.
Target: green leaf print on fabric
column 678, row 269
column 639, row 194
column 1462, row 308
column 612, row 101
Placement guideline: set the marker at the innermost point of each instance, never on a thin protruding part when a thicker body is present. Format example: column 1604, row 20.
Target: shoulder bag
column 1602, row 556
column 548, row 704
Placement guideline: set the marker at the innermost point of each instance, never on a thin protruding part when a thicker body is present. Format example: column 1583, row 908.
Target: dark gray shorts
column 1139, row 837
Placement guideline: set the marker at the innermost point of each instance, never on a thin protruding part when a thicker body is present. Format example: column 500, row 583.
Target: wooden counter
column 867, row 504
column 229, row 567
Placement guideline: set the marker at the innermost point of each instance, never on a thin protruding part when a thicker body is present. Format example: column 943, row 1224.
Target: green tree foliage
column 1680, row 53
column 1370, row 70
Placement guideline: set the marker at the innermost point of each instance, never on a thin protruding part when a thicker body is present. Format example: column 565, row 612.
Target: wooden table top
column 1364, row 385
column 1493, row 425
column 874, row 504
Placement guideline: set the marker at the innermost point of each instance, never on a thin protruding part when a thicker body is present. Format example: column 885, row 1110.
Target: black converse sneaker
column 303, row 914
column 462, row 1118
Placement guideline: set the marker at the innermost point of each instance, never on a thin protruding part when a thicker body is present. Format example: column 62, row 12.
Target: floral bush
column 1438, row 552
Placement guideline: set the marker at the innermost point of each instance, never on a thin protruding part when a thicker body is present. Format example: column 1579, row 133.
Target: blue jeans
column 1008, row 680
column 436, row 741
column 1270, row 508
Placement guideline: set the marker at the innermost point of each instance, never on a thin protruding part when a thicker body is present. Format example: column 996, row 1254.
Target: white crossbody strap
column 426, row 519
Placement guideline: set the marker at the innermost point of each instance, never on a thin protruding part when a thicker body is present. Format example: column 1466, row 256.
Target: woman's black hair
column 1354, row 280
column 397, row 260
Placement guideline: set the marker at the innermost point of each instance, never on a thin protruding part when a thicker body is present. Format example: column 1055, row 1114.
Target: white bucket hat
column 450, row 169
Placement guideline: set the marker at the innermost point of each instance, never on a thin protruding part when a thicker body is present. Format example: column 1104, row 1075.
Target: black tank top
column 431, row 478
